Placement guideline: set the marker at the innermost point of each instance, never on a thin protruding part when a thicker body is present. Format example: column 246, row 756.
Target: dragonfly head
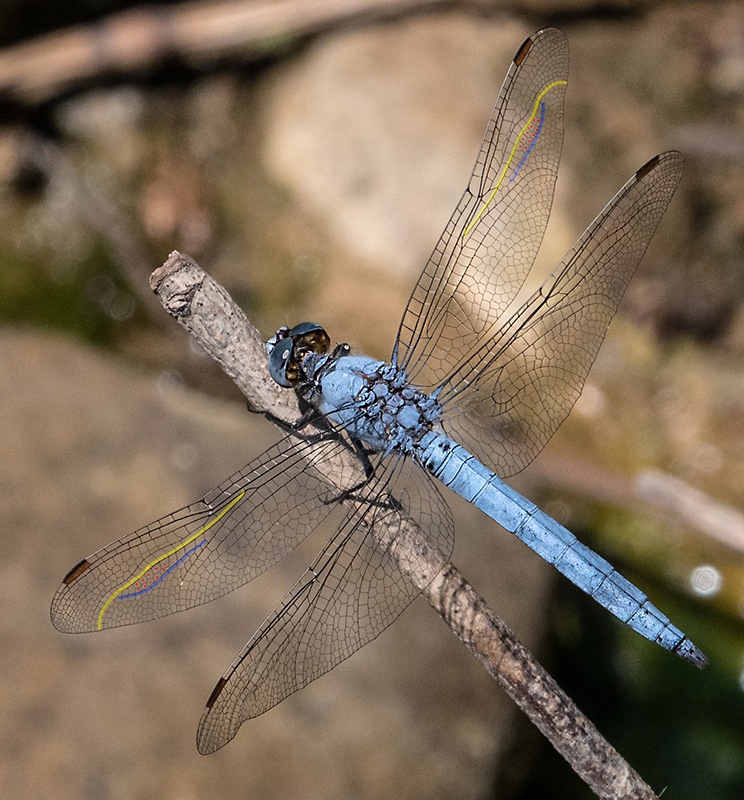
column 288, row 351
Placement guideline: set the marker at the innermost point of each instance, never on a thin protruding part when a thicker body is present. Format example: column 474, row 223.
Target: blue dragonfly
column 471, row 394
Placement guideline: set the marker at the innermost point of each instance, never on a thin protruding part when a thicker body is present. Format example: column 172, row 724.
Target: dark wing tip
column 62, row 611
column 649, row 166
column 219, row 686
column 671, row 158
column 528, row 43
column 76, row 572
column 209, row 736
column 524, row 48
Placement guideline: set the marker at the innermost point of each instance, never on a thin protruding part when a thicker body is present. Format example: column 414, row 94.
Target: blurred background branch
column 140, row 39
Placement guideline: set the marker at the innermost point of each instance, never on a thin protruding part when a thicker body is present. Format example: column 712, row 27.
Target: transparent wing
column 353, row 590
column 212, row 546
column 508, row 398
column 490, row 243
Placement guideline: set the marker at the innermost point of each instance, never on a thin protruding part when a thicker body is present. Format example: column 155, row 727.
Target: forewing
column 354, row 589
column 510, row 396
column 212, row 546
column 490, row 243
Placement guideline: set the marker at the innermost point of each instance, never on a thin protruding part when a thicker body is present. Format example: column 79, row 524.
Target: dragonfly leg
column 308, row 415
column 253, row 409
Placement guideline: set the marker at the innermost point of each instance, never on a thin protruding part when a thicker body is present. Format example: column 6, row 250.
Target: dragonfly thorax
column 375, row 403
column 405, row 412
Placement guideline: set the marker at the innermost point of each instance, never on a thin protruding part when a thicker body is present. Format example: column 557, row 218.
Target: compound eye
column 282, row 366
column 315, row 341
column 309, row 337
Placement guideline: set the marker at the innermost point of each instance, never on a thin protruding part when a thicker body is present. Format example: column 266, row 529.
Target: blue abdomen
column 464, row 474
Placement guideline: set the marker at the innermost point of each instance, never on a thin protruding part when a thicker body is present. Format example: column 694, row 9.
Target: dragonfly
column 477, row 383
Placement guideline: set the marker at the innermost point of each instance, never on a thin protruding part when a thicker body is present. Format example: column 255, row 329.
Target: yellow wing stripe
column 226, row 510
column 527, row 124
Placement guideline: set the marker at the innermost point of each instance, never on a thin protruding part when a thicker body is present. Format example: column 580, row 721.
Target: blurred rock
column 377, row 130
column 92, row 449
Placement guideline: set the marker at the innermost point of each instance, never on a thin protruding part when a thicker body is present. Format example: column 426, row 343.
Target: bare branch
column 206, row 310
